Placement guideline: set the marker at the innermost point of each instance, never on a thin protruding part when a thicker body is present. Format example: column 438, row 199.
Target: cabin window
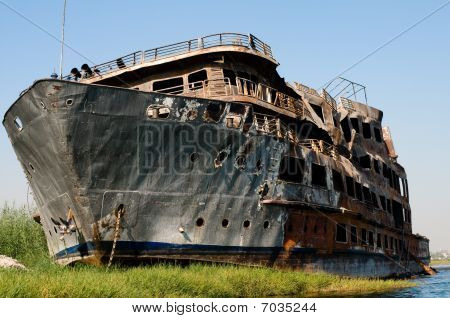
column 366, row 130
column 386, row 242
column 378, row 240
column 364, row 236
column 355, row 124
column 338, row 185
column 397, row 210
column 230, row 75
column 169, row 86
column 196, row 79
column 364, row 161
column 371, row 241
column 214, row 111
column 377, row 133
column 374, row 200
column 376, row 166
column 383, row 202
column 350, row 186
column 353, row 235
column 367, row 196
column 346, row 130
column 358, row 191
column 319, row 174
column 388, row 205
column 318, row 110
column 292, row 169
column 237, row 109
column 341, row 233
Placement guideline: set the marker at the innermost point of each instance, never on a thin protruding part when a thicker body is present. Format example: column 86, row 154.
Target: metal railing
column 202, row 89
column 321, row 146
column 221, row 39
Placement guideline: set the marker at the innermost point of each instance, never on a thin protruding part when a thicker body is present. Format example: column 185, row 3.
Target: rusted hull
column 191, row 186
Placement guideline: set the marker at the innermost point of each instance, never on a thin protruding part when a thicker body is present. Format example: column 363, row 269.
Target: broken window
column 358, row 191
column 341, row 233
column 397, row 210
column 353, row 235
column 383, row 202
column 214, row 111
column 196, row 79
column 346, row 129
column 377, row 133
column 350, row 186
column 318, row 110
column 391, row 243
column 292, row 169
column 364, row 236
column 169, row 86
column 230, row 75
column 376, row 166
column 338, row 185
column 355, row 124
column 386, row 242
column 237, row 108
column 367, row 196
column 374, row 200
column 371, row 241
column 364, row 161
column 388, row 205
column 378, row 240
column 318, row 175
column 366, row 130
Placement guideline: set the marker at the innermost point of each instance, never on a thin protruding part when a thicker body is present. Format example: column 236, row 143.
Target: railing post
column 156, row 53
column 250, row 41
column 142, row 56
column 200, row 43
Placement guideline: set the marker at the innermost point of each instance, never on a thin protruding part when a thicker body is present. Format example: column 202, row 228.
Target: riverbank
column 435, row 262
column 23, row 239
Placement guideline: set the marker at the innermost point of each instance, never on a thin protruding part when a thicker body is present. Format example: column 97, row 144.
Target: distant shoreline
column 440, row 262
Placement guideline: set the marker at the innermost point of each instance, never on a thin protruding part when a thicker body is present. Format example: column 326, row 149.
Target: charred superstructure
column 201, row 151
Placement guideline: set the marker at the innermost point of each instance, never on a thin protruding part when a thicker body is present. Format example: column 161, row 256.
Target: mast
column 62, row 41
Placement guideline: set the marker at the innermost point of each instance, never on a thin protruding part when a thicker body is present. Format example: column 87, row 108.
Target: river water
column 427, row 286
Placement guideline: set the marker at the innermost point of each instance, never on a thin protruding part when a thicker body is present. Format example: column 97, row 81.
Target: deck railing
column 221, row 39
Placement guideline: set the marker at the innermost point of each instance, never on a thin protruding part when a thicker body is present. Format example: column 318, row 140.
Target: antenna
column 62, row 41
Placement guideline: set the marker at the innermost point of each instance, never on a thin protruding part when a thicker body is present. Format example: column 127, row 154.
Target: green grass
column 440, row 262
column 23, row 239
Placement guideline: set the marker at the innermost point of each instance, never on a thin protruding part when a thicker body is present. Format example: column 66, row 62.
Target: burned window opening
column 240, row 162
column 230, row 75
column 266, row 224
column 350, row 186
column 258, row 165
column 194, row 156
column 397, row 210
column 391, row 245
column 383, row 202
column 353, row 234
column 318, row 175
column 377, row 134
column 366, row 130
column 364, row 161
column 364, row 236
column 367, row 195
column 358, row 191
column 246, row 224
column 214, row 111
column 169, row 86
column 196, row 79
column 376, row 166
column 338, row 184
column 305, row 225
column 378, row 240
column 389, row 205
column 318, row 110
column 292, row 169
column 355, row 124
column 346, row 130
column 18, row 123
column 371, row 240
column 386, row 242
column 341, row 233
column 237, row 109
column 375, row 200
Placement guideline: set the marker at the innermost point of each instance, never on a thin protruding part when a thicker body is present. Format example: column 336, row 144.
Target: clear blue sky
column 314, row 41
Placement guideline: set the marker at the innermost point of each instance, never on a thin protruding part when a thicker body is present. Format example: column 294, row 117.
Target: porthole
column 69, row 102
column 18, row 123
column 200, row 222
column 246, row 224
column 225, row 223
column 194, row 156
column 266, row 224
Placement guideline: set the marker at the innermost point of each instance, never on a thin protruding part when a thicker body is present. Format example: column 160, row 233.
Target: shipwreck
column 200, row 151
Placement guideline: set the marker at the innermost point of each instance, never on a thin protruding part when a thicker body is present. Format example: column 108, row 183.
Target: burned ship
column 200, row 151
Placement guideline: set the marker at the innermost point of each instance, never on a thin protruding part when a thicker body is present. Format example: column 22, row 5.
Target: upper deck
column 221, row 42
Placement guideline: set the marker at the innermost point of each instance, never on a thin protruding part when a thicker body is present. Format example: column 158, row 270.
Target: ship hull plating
column 188, row 185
